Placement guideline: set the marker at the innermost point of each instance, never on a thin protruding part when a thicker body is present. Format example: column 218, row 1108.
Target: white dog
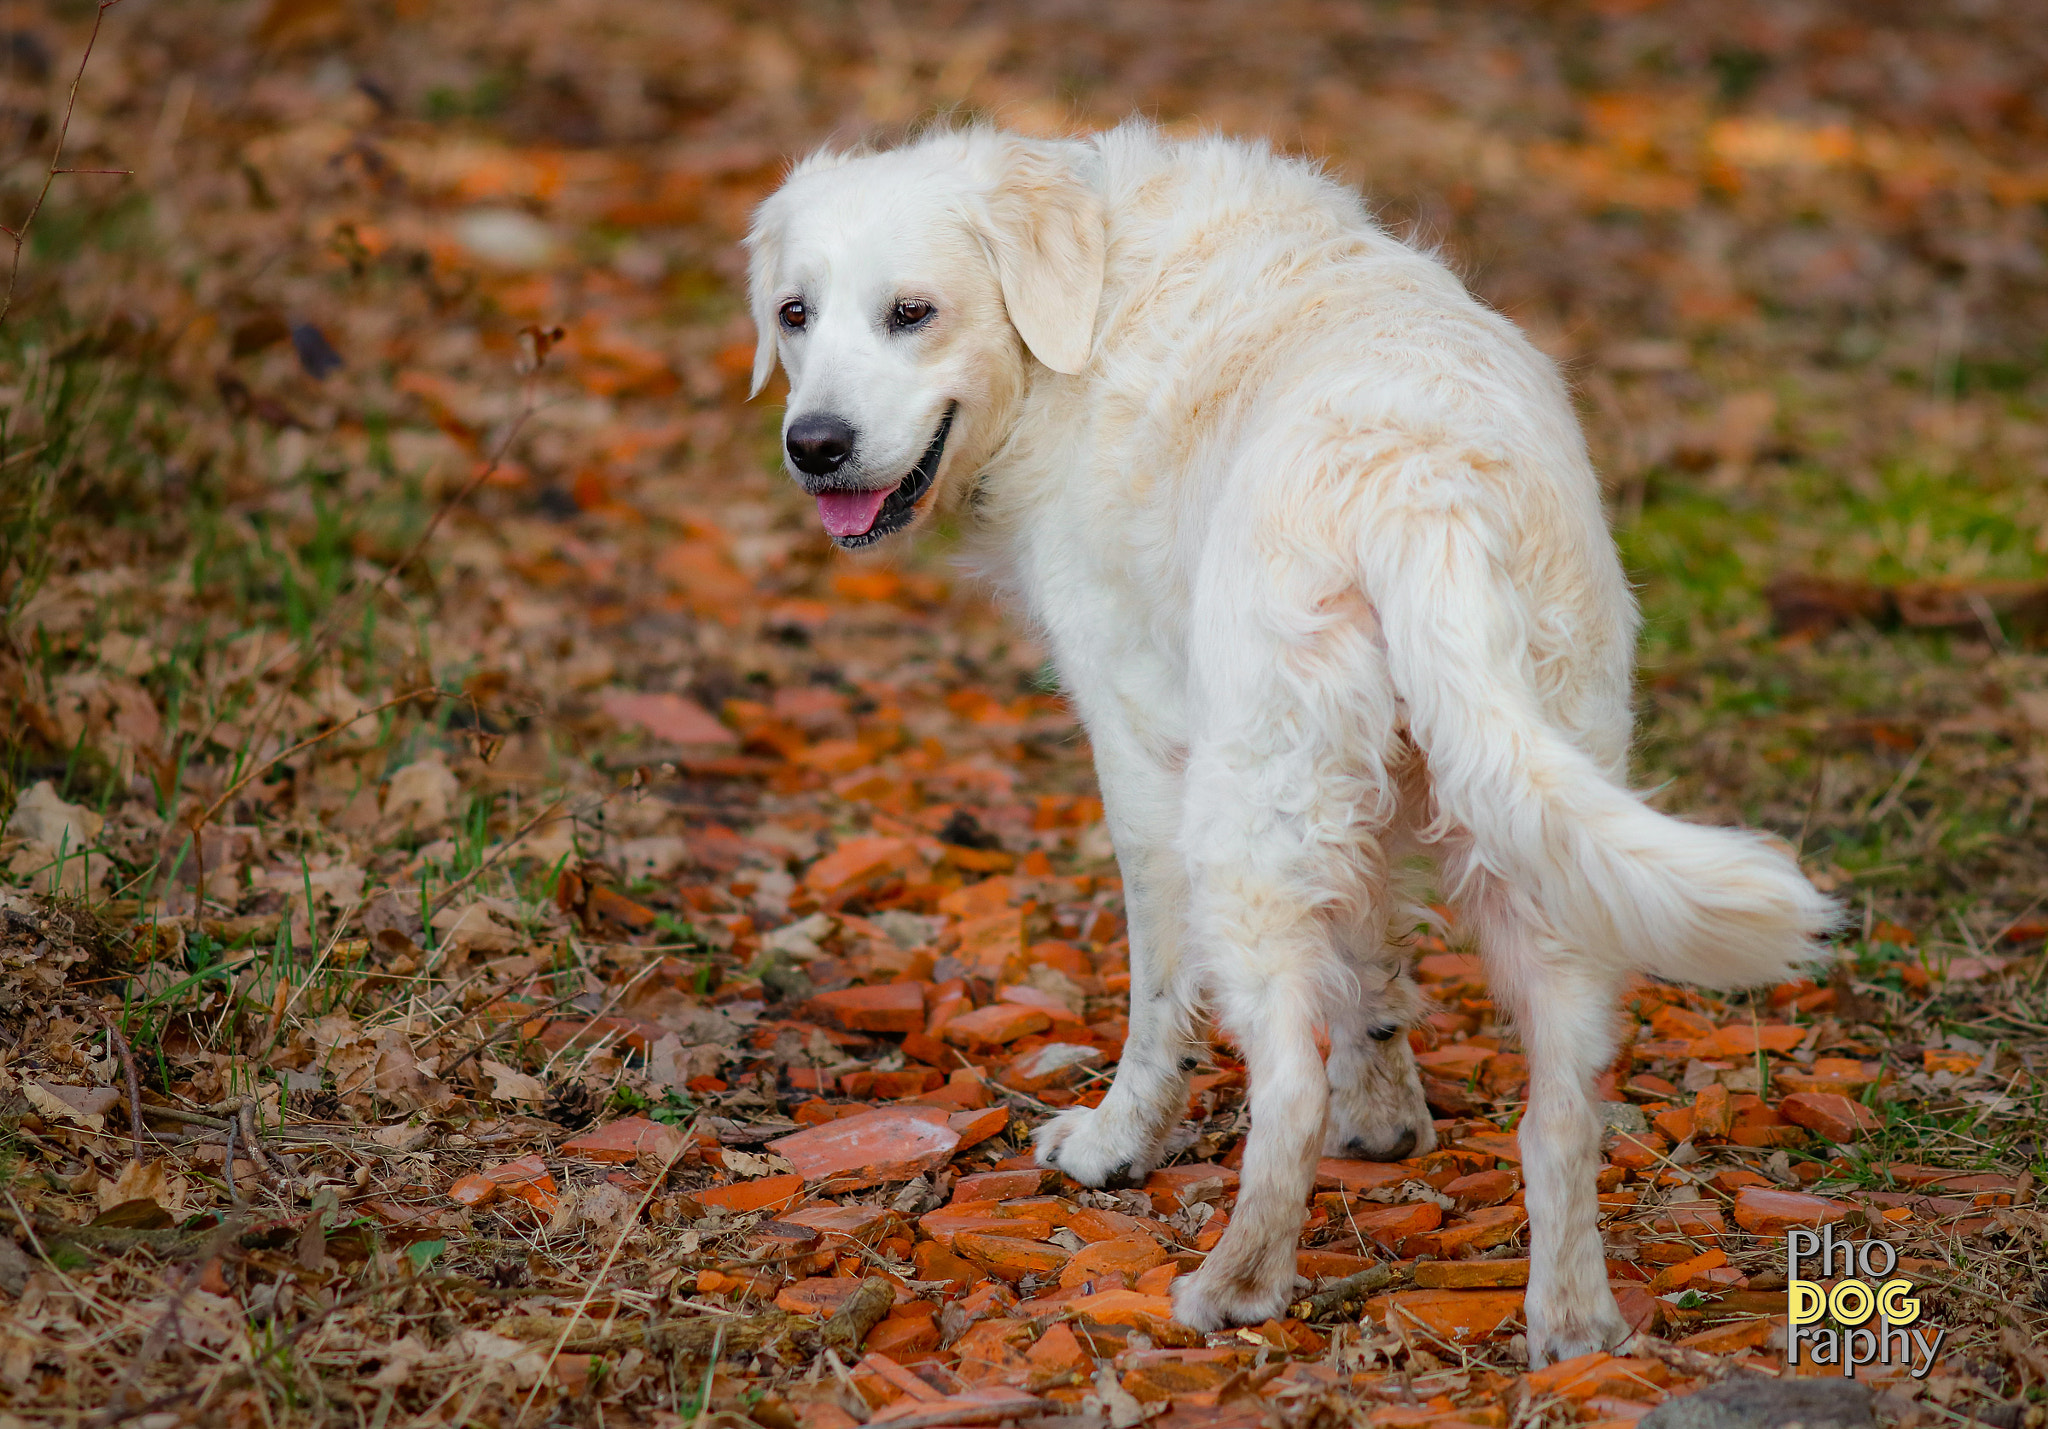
column 1315, row 542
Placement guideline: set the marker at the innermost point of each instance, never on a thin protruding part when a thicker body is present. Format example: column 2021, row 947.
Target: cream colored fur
column 1321, row 559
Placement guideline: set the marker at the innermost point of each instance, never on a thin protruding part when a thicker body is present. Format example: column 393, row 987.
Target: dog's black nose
column 819, row 444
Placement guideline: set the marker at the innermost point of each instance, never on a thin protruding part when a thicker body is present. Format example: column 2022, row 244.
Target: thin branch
column 127, row 1055
column 626, row 1228
column 20, row 235
column 447, row 894
column 269, row 764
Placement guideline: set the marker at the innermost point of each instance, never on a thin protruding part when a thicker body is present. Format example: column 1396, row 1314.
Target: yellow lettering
column 1893, row 1304
column 1807, row 1301
column 1851, row 1302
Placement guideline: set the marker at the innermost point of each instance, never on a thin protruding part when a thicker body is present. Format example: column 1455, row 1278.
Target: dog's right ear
column 764, row 252
column 1044, row 230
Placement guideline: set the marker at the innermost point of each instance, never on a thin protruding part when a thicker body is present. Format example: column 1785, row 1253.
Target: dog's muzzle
column 860, row 517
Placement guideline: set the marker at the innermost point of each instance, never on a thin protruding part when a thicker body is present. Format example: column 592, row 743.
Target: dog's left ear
column 763, row 254
column 1044, row 230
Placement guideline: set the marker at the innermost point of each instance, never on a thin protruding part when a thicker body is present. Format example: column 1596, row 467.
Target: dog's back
column 1267, row 353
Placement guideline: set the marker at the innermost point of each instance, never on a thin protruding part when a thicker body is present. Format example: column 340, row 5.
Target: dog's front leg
column 1120, row 1142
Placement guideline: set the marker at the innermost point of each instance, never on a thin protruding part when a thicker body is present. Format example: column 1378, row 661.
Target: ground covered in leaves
column 504, row 925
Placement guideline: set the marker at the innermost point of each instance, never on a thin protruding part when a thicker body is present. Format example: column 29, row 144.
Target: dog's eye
column 794, row 315
column 910, row 312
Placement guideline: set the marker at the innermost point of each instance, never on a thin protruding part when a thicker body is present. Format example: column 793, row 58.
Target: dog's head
column 907, row 294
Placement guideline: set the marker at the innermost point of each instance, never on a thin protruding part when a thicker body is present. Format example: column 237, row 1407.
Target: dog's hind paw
column 1557, row 1334
column 1207, row 1301
column 1097, row 1147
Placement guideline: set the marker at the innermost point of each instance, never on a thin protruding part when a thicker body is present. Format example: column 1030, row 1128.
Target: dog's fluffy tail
column 1620, row 882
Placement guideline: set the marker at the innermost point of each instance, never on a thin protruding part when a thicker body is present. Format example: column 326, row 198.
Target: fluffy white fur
column 1320, row 556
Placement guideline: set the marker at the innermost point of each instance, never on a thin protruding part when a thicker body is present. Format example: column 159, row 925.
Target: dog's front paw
column 1561, row 1331
column 1211, row 1299
column 1097, row 1147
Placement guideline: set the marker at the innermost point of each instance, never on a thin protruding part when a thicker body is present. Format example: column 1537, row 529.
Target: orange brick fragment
column 1058, row 1358
column 1677, row 1277
column 1329, row 1264
column 845, row 1226
column 1153, row 1375
column 1742, row 1039
column 935, row 1262
column 1470, row 1274
column 1729, row 1339
column 997, row 1185
column 1093, row 1225
column 1638, row 1151
column 1010, row 1257
column 1488, row 1226
column 473, row 1190
column 994, row 1349
column 905, row 1332
column 1122, row 1260
column 1712, row 1113
column 882, row 1007
column 993, row 945
column 1481, row 1188
column 1359, row 1176
column 1453, row 1314
column 1158, row 1280
column 882, row 1381
column 1394, row 1226
column 1763, row 1211
column 1174, row 1188
column 994, row 1025
column 975, row 1127
column 1601, row 1375
column 865, row 1150
column 1054, row 1065
column 1829, row 1114
column 526, row 1179
column 1495, row 1145
column 1152, row 1314
column 1675, row 1123
column 777, row 1193
column 1843, row 1075
column 822, row 1295
column 622, row 1142
column 857, row 861
column 668, row 717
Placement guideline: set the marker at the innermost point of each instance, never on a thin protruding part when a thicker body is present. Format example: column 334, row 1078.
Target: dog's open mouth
column 857, row 518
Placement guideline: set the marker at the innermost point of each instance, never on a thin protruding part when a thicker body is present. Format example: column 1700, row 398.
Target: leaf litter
column 507, row 926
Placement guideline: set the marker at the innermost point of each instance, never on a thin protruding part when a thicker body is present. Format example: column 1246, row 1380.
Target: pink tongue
column 849, row 513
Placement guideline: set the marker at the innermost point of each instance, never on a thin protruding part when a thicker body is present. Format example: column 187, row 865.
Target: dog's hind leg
column 1377, row 1110
column 1564, row 1007
column 1120, row 1142
column 1266, row 944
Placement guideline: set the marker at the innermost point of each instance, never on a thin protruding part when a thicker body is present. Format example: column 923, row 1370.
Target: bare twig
column 258, row 771
column 344, row 609
column 493, row 1036
column 442, row 899
column 626, row 1228
column 167, row 1323
column 127, row 1056
column 227, row 1167
column 246, row 1118
column 19, row 236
